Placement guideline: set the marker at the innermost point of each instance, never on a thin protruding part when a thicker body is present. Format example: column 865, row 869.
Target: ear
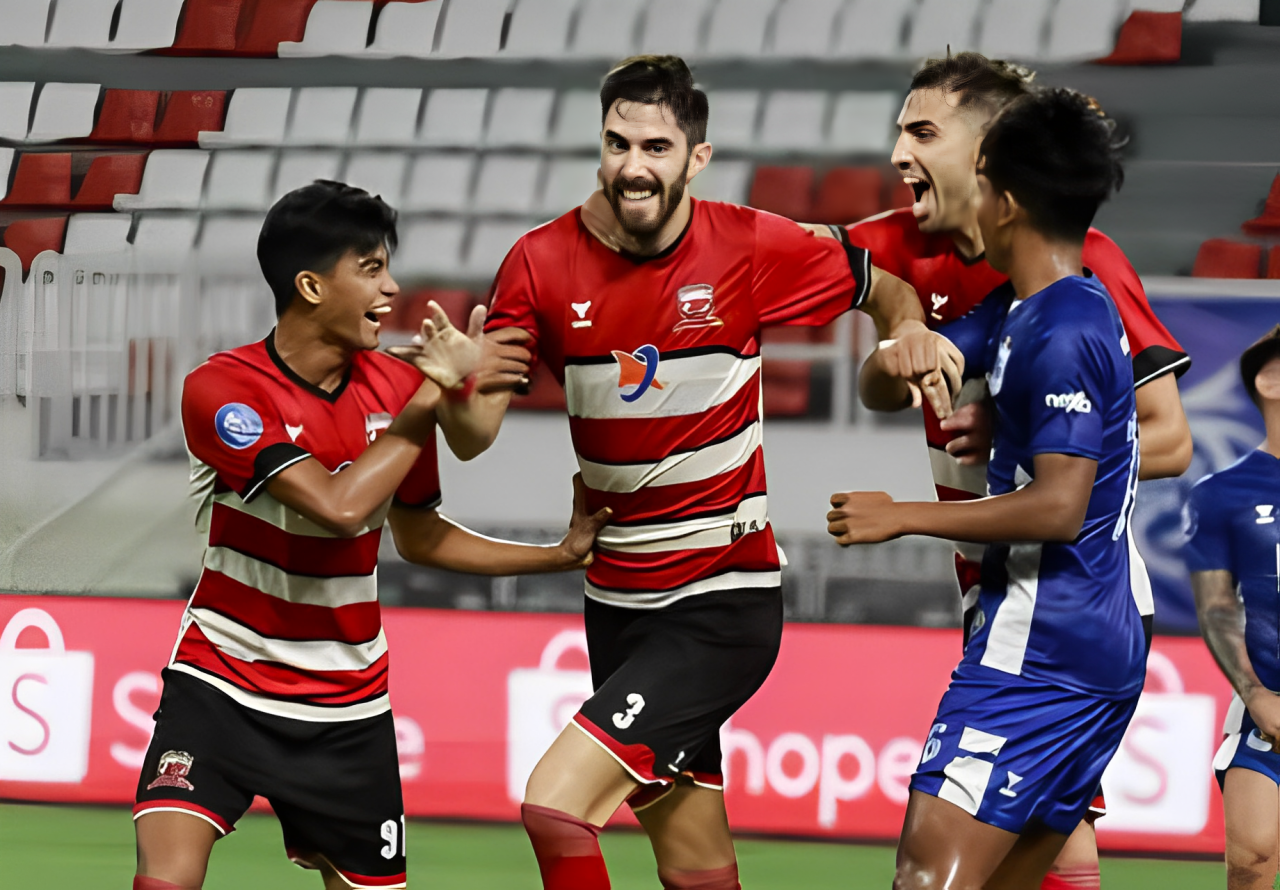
column 1008, row 210
column 309, row 285
column 698, row 160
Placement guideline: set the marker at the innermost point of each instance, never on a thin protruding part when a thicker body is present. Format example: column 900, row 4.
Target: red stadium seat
column 786, row 191
column 271, row 23
column 848, row 194
column 1273, row 263
column 1148, row 38
column 127, row 116
column 41, row 180
column 108, row 176
column 1222, row 258
column 785, row 386
column 900, row 195
column 1269, row 222
column 29, row 237
column 545, row 393
column 410, row 309
column 186, row 113
column 208, row 27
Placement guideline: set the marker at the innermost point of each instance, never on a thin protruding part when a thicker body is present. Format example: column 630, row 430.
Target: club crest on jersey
column 237, row 425
column 172, row 771
column 697, row 307
column 996, row 378
column 636, row 371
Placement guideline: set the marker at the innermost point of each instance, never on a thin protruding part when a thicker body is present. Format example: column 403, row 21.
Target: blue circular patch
column 238, row 425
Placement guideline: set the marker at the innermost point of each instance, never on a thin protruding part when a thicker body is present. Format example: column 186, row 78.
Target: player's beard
column 639, row 225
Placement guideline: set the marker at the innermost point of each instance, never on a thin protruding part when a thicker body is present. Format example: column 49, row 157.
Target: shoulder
column 549, row 240
column 243, row 366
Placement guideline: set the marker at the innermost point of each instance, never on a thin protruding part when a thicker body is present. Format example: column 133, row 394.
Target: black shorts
column 334, row 786
column 667, row 679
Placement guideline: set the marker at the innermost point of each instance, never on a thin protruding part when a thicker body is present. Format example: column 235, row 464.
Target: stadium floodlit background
column 141, row 142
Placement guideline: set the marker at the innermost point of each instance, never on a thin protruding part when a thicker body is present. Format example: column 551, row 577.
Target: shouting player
column 649, row 310
column 936, row 246
column 1056, row 661
column 301, row 445
column 1233, row 553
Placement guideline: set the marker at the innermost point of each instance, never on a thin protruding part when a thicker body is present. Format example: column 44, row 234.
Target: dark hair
column 658, row 80
column 983, row 82
column 1055, row 151
column 313, row 227
column 1255, row 359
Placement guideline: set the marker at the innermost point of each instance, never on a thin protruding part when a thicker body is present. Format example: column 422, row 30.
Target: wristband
column 463, row 392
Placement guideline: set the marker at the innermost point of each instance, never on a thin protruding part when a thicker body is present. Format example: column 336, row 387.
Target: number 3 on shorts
column 393, row 834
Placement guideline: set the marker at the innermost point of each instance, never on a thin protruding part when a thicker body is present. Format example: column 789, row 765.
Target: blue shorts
column 1011, row 751
column 1243, row 748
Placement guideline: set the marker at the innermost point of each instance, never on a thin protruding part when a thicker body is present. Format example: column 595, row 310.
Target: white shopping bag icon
column 46, row 701
column 540, row 703
column 1159, row 780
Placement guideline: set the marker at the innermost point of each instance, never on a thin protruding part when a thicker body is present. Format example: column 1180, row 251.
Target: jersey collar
column 295, row 379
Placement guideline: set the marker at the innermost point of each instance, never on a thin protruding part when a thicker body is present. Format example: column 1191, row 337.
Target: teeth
column 381, row 310
column 637, row 196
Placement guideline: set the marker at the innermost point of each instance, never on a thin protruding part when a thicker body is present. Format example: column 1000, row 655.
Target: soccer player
column 649, row 310
column 1233, row 553
column 936, row 246
column 301, row 446
column 1056, row 660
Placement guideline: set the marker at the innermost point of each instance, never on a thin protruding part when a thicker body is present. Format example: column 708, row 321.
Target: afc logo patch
column 237, row 425
column 172, row 771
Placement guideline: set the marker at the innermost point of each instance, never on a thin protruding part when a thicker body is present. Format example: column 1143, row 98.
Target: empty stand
column 723, row 180
column 272, row 23
column 1014, row 29
column 872, row 29
column 108, row 176
column 793, row 119
column 863, row 122
column 299, row 168
column 568, row 183
column 508, row 184
column 173, row 178
column 379, row 174
column 406, row 29
column 431, row 247
column 737, row 29
column 1223, row 11
column 673, row 26
column 334, row 27
column 64, row 111
column 97, row 233
column 225, row 237
column 1222, row 258
column 1273, row 263
column 578, row 121
column 239, row 180
column 786, row 191
column 188, row 113
column 1083, row 29
column 6, row 162
column 409, row 309
column 520, row 117
column 848, row 194
column 82, row 23
column 784, row 388
column 1148, row 38
column 454, row 117
column 387, row 116
column 733, row 125
column 147, row 24
column 127, row 116
column 15, row 109
column 171, row 236
column 490, row 243
column 805, row 28
column 607, row 28
column 440, row 182
column 41, row 180
column 938, row 24
column 28, row 238
column 473, row 28
column 25, row 22
column 208, row 27
column 540, row 28
column 255, row 116
column 322, row 116
column 1268, row 223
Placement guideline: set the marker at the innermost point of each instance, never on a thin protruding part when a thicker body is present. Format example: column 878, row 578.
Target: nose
column 901, row 157
column 390, row 287
column 635, row 166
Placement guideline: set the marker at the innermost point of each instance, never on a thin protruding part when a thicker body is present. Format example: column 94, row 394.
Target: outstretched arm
column 1163, row 434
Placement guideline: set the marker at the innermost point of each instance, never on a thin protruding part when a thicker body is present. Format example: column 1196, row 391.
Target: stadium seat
column 793, row 119
column 805, row 28
column 1222, row 258
column 239, row 180
column 605, row 28
column 734, row 123
column 173, row 178
column 723, row 181
column 900, row 194
column 1268, row 223
column 6, row 162
column 97, row 233
column 786, row 191
column 578, row 122
column 872, row 29
column 230, row 237
column 334, row 27
column 673, row 26
column 147, row 24
column 431, row 247
column 187, row 113
column 568, row 183
column 25, row 22
column 440, row 182
column 64, row 111
column 387, row 116
column 784, row 388
column 82, row 23
column 406, row 29
column 30, row 237
column 454, row 117
column 1148, row 38
column 737, row 29
column 1083, row 29
column 539, row 28
column 520, row 117
column 938, row 24
column 490, row 243
column 322, row 116
column 271, row 24
column 848, row 194
column 127, row 116
column 409, row 310
column 41, row 180
column 299, row 168
column 1014, row 29
column 864, row 122
column 255, row 116
column 207, row 27
column 473, row 28
column 1223, row 11
column 1273, row 263
column 166, row 235
column 508, row 184
column 15, row 109
column 108, row 176
column 379, row 174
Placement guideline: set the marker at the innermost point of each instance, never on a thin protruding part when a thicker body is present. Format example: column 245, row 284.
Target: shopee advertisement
column 825, row 749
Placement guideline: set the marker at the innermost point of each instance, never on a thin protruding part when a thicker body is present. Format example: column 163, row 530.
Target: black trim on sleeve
column 431, row 503
column 1156, row 361
column 270, row 461
column 859, row 265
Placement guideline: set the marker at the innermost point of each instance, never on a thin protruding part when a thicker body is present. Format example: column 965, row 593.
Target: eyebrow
column 660, row 140
column 918, row 125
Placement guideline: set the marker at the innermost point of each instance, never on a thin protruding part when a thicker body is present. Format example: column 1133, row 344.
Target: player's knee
column 143, row 882
column 913, row 875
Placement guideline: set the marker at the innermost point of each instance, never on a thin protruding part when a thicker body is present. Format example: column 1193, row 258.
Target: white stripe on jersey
column 293, row 710
column 659, row 599
column 690, row 385
column 674, row 469
column 950, row 473
column 344, row 590
column 240, row 642
column 692, row 534
column 1139, row 581
column 1011, row 626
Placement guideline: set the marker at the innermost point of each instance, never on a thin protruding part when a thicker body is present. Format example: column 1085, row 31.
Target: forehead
column 936, row 105
column 638, row 121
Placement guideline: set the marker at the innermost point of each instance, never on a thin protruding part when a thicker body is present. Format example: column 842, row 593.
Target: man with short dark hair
column 301, row 446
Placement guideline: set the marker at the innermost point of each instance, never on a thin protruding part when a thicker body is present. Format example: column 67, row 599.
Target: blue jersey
column 1231, row 524
column 1058, row 368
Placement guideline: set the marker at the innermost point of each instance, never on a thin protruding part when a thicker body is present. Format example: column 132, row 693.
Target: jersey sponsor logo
column 995, row 379
column 637, row 370
column 1070, row 402
column 1007, row 790
column 172, row 771
column 1264, row 514
column 938, row 300
column 624, row 719
column 293, row 431
column 376, row 423
column 697, row 307
column 581, row 309
column 238, row 425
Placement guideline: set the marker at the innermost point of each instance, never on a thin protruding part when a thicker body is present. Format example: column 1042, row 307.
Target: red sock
column 1083, row 877
column 709, row 879
column 142, row 882
column 567, row 849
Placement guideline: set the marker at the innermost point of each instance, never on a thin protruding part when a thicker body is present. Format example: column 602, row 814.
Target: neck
column 968, row 238
column 1271, row 417
column 310, row 353
column 598, row 216
column 1037, row 261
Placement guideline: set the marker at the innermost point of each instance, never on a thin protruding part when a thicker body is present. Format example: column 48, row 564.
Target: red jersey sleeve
column 231, row 425
column 512, row 298
column 882, row 236
column 1155, row 352
column 800, row 279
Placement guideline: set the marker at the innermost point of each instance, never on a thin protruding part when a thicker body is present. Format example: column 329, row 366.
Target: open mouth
column 638, row 195
column 919, row 187
column 371, row 316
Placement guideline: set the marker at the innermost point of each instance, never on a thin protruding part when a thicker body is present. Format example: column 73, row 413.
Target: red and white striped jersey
column 285, row 616
column 660, row 360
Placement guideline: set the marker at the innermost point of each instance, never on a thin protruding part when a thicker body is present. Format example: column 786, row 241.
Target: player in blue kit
column 1233, row 552
column 1052, row 674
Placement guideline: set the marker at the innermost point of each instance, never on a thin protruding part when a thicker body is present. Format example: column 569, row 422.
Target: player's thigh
column 689, row 829
column 174, row 847
column 1081, row 848
column 577, row 776
column 1025, row 866
column 943, row 846
column 1250, row 803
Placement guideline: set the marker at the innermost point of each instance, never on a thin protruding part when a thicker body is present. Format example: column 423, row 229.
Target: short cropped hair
column 658, row 80
column 1255, row 358
column 978, row 81
column 313, row 227
column 1055, row 151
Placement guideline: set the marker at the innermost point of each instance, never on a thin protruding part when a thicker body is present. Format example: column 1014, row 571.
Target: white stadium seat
column 793, row 119
column 165, row 234
column 64, row 111
column 97, row 233
column 938, row 24
column 230, row 237
column 737, row 29
column 6, row 161
column 673, row 26
column 1158, row 5
column 1083, row 29
column 299, row 168
column 578, row 120
column 388, row 116
column 520, row 117
column 173, row 178
column 864, row 122
column 568, row 183
column 872, row 29
column 406, row 29
column 490, row 244
column 240, row 180
column 146, row 24
column 15, row 109
column 25, row 22
column 378, row 173
column 454, row 117
column 508, row 184
column 472, row 28
column 1014, row 29
column 431, row 247
column 440, row 182
column 805, row 28
column 723, row 181
column 733, row 118
column 82, row 23
column 1223, row 11
column 539, row 28
column 606, row 28
column 255, row 116
column 322, row 116
column 334, row 27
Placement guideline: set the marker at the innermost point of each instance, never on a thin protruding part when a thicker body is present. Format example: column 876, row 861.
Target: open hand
column 930, row 364
column 580, row 541
column 861, row 517
column 971, row 425
column 441, row 351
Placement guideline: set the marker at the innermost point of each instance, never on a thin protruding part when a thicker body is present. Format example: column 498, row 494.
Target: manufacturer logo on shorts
column 1265, row 512
column 623, row 720
column 172, row 772
column 1007, row 790
column 1069, row 402
column 238, row 425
